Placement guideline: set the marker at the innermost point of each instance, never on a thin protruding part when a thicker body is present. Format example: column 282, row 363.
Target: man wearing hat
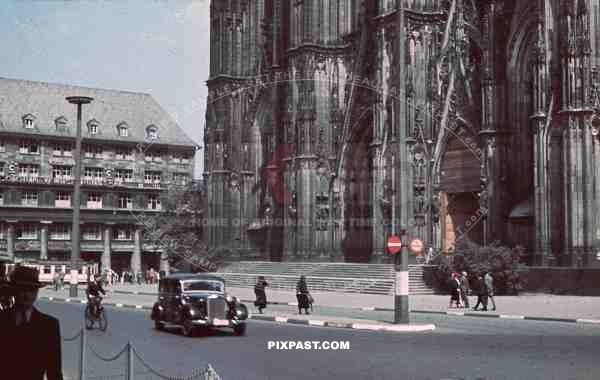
column 30, row 339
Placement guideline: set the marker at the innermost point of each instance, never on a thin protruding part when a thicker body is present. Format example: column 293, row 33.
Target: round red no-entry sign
column 416, row 246
column 394, row 244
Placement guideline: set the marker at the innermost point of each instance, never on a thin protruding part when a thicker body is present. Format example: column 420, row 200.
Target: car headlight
column 183, row 301
column 192, row 312
column 230, row 299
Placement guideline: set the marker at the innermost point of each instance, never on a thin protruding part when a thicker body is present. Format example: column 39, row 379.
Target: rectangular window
column 29, row 171
column 152, row 176
column 154, row 202
column 28, row 123
column 125, row 201
column 93, row 174
column 28, row 147
column 94, row 200
column 2, row 147
column 180, row 179
column 27, row 231
column 62, row 174
column 123, row 132
column 2, row 169
column 62, row 149
column 122, row 234
column 123, row 153
column 123, row 176
column 1, row 199
column 91, row 232
column 93, row 151
column 29, row 198
column 59, row 232
column 63, row 199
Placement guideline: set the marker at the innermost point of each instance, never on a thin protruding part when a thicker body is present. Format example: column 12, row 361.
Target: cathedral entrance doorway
column 460, row 173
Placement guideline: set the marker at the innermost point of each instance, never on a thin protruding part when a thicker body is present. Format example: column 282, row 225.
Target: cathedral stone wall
column 449, row 119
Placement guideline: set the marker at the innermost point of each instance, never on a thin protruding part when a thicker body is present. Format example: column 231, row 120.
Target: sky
column 151, row 46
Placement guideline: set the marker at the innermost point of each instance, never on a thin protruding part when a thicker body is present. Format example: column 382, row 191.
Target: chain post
column 82, row 357
column 129, row 361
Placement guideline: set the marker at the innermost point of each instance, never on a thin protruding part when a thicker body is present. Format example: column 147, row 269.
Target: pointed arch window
column 29, row 121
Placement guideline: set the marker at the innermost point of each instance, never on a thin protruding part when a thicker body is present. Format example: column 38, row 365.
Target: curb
column 454, row 313
column 508, row 316
column 280, row 319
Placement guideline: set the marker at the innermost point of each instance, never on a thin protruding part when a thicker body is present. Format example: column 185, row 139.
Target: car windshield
column 204, row 285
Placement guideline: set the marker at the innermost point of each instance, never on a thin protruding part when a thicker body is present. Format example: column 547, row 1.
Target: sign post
column 398, row 247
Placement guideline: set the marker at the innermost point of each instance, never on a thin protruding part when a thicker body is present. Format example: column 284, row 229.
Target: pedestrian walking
column 302, row 295
column 454, row 290
column 464, row 289
column 259, row 292
column 61, row 279
column 481, row 290
column 489, row 284
column 30, row 339
column 55, row 281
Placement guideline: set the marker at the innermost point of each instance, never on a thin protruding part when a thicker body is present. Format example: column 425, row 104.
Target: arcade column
column 10, row 241
column 44, row 240
column 105, row 259
column 136, row 257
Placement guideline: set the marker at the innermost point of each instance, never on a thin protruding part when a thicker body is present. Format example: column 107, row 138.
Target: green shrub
column 468, row 256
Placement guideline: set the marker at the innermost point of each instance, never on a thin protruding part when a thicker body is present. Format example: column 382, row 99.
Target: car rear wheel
column 240, row 329
column 188, row 327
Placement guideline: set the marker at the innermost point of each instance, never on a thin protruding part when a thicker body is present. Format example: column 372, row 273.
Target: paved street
column 532, row 304
column 460, row 348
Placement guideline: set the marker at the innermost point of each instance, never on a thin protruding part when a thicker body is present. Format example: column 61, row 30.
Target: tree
column 179, row 228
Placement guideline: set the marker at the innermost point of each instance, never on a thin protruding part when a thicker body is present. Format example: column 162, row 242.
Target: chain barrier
column 203, row 374
column 105, row 359
column 73, row 338
column 197, row 374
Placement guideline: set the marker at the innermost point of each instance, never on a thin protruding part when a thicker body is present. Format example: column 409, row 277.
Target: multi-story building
column 132, row 153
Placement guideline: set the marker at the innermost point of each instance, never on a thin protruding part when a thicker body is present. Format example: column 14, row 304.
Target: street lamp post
column 75, row 227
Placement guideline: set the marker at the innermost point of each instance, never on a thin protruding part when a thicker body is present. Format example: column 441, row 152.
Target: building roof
column 46, row 103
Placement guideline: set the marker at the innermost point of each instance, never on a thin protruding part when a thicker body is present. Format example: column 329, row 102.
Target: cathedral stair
column 327, row 277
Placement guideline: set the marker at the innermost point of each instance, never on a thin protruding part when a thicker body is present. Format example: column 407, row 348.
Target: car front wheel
column 240, row 329
column 159, row 325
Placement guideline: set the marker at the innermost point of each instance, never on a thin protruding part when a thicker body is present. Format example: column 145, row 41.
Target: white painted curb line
column 507, row 316
column 582, row 320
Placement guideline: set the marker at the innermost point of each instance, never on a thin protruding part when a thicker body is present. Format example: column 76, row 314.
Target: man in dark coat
column 482, row 294
column 259, row 292
column 302, row 295
column 31, row 339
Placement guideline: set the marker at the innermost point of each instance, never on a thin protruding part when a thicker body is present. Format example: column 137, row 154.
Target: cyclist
column 93, row 294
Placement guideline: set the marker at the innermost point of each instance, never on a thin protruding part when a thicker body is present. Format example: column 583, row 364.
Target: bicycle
column 96, row 315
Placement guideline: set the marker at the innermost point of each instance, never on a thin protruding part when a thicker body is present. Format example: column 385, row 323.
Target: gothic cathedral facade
column 334, row 124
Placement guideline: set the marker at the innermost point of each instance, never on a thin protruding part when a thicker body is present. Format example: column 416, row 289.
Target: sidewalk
column 323, row 316
column 532, row 305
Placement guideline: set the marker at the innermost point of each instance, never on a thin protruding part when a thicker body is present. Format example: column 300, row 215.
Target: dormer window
column 123, row 130
column 61, row 124
column 28, row 121
column 93, row 127
column 152, row 132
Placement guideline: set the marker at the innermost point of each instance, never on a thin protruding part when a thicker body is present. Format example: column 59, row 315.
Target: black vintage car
column 197, row 301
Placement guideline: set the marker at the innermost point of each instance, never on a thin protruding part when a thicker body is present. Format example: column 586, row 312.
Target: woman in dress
column 259, row 292
column 302, row 295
